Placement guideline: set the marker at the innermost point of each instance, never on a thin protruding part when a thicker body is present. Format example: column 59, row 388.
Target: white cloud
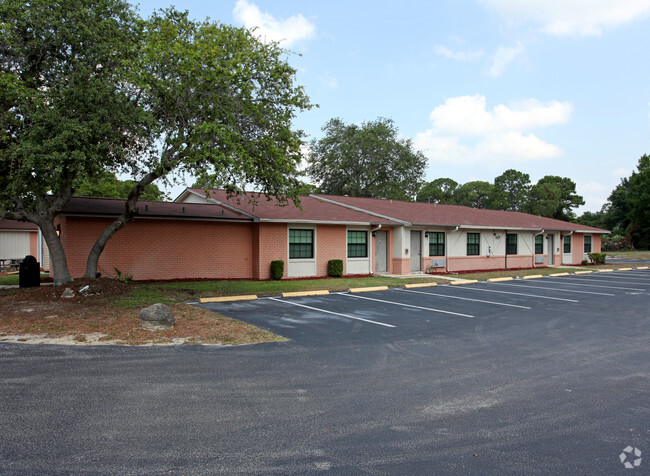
column 572, row 17
column 466, row 56
column 269, row 28
column 504, row 56
column 621, row 172
column 465, row 131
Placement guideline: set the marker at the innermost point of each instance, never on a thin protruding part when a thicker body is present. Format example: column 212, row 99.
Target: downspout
column 537, row 234
column 506, row 250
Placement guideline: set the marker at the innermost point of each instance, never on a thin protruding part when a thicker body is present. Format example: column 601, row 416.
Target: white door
column 416, row 251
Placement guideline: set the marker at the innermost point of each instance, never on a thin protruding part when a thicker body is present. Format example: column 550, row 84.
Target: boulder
column 68, row 293
column 157, row 317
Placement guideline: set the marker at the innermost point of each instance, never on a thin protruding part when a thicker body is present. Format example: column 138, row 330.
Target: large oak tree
column 367, row 160
column 89, row 86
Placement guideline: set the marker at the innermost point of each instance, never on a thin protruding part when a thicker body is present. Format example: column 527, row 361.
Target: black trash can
column 29, row 273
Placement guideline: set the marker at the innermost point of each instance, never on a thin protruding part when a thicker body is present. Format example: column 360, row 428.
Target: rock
column 157, row 317
column 68, row 293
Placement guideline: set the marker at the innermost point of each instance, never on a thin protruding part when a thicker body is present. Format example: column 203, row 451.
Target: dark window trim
column 511, row 245
column 437, row 247
column 567, row 246
column 539, row 247
column 591, row 243
column 474, row 248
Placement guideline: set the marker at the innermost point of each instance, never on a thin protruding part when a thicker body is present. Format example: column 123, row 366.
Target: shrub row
column 334, row 268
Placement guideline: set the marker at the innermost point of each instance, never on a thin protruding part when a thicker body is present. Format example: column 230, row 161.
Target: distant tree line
column 552, row 196
column 627, row 211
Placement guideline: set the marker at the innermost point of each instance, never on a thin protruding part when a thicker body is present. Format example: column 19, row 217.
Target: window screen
column 357, row 244
column 539, row 245
column 473, row 244
column 436, row 243
column 301, row 244
column 511, row 244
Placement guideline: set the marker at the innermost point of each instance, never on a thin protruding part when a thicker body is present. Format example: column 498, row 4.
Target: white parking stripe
column 477, row 288
column 556, row 289
column 407, row 305
column 331, row 312
column 619, row 276
column 468, row 299
column 595, row 285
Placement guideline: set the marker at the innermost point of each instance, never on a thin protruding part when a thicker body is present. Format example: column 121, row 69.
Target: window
column 511, row 244
column 567, row 244
column 301, row 244
column 539, row 244
column 357, row 244
column 473, row 244
column 436, row 243
column 587, row 244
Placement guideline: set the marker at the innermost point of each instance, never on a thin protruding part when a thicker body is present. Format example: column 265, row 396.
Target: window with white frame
column 357, row 244
column 301, row 244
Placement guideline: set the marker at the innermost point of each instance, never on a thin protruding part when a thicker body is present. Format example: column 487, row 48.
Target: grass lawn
column 629, row 254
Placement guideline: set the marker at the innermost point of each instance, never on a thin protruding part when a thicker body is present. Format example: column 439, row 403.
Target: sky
column 546, row 87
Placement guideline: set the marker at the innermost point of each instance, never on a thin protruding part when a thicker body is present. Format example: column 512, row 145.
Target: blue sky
column 547, row 87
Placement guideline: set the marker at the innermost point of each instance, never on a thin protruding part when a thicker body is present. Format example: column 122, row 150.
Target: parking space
column 400, row 313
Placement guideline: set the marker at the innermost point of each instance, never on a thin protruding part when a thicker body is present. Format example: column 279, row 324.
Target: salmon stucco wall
column 163, row 249
column 578, row 246
column 401, row 266
column 331, row 245
column 270, row 244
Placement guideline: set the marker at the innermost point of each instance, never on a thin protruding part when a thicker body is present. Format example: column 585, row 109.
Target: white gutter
column 537, row 234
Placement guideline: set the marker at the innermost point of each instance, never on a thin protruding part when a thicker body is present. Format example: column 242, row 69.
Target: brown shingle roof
column 17, row 225
column 455, row 215
column 311, row 209
column 113, row 207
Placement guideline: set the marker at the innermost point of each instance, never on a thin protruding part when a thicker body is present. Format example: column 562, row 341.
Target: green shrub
column 122, row 277
column 598, row 258
column 335, row 268
column 277, row 269
column 585, row 262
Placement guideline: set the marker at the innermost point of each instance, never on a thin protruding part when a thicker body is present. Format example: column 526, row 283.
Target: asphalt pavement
column 539, row 376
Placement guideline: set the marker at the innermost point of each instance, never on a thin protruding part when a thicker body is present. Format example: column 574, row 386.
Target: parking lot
column 539, row 376
column 400, row 313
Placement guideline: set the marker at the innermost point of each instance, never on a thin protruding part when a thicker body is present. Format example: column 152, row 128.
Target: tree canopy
column 88, row 87
column 440, row 190
column 367, row 160
column 106, row 185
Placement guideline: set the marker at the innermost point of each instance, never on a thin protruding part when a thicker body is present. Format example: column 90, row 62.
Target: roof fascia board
column 363, row 210
column 156, row 217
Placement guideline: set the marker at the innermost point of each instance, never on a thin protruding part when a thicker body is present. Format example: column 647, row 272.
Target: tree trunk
column 93, row 257
column 57, row 255
column 167, row 163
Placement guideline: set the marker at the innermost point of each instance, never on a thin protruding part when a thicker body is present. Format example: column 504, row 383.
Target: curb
column 559, row 274
column 319, row 292
column 625, row 269
column 364, row 290
column 496, row 280
column 420, row 285
column 583, row 272
column 642, row 267
column 247, row 297
column 605, row 270
column 464, row 281
column 533, row 276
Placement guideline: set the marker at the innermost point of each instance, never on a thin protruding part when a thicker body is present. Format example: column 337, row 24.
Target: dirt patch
column 100, row 317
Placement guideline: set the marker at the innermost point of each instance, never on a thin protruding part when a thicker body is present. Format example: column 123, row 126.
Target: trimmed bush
column 598, row 258
column 585, row 262
column 335, row 268
column 277, row 269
